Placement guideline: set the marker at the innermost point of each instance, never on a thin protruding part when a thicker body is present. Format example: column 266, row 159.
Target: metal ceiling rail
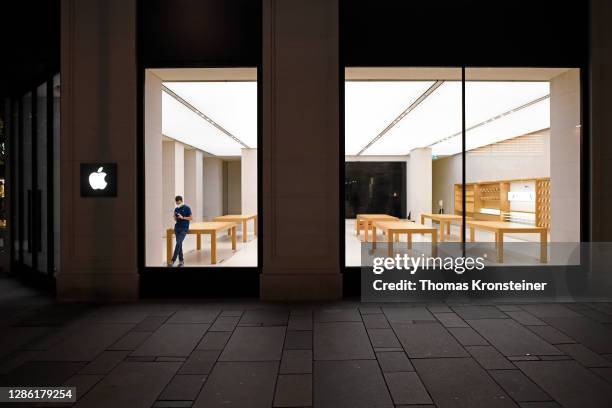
column 401, row 116
column 494, row 118
column 202, row 115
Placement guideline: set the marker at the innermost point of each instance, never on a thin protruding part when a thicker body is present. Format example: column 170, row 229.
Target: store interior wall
column 231, row 187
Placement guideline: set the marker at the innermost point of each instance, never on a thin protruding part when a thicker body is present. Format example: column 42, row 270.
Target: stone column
column 601, row 125
column 154, row 227
column 194, row 182
column 213, row 187
column 248, row 181
column 419, row 181
column 98, row 124
column 301, row 225
column 173, row 179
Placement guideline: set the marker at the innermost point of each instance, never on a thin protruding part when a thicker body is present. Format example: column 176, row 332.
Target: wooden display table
column 199, row 228
column 367, row 220
column 501, row 227
column 394, row 228
column 240, row 218
column 445, row 220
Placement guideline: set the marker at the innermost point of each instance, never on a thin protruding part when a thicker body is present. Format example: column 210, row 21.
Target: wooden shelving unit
column 493, row 195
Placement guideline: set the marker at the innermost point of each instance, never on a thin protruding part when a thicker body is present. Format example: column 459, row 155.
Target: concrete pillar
column 213, row 187
column 300, row 150
column 154, row 249
column 248, row 181
column 601, row 125
column 98, row 124
column 419, row 181
column 194, row 182
column 565, row 129
column 173, row 179
column 231, row 187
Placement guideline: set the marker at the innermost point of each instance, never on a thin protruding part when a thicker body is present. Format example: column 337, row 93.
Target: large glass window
column 406, row 136
column 201, row 144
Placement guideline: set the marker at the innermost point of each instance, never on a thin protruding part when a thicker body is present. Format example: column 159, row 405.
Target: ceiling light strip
column 202, row 115
column 494, row 118
column 402, row 115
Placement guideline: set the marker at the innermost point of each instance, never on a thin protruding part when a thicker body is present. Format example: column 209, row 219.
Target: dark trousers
column 178, row 248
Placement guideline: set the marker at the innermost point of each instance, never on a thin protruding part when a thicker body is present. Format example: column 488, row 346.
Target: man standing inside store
column 182, row 216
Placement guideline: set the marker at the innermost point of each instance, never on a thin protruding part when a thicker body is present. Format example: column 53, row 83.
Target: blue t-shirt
column 185, row 211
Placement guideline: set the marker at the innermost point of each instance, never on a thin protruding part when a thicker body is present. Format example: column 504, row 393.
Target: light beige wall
column 173, row 179
column 565, row 157
column 248, row 181
column 483, row 167
column 419, row 183
column 194, row 182
column 154, row 250
column 232, row 189
column 213, row 187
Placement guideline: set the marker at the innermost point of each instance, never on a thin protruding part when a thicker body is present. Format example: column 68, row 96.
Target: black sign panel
column 98, row 179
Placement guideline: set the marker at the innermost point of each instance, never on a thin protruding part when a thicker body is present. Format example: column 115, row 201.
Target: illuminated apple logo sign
column 99, row 180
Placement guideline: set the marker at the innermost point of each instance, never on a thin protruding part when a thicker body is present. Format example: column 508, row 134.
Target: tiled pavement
column 343, row 354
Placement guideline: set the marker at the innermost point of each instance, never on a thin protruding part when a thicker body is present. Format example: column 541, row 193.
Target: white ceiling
column 436, row 122
column 231, row 105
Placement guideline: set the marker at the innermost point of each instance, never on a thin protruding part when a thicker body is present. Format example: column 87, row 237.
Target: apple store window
column 201, row 172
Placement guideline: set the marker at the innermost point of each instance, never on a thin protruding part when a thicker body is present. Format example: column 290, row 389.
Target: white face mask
column 179, row 204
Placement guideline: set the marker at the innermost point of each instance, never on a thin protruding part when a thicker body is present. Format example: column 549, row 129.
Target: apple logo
column 97, row 180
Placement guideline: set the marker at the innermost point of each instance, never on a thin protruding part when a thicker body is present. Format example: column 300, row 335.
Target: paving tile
column 518, row 386
column 394, row 361
column 450, row 320
column 479, row 312
column 85, row 344
column 341, row 341
column 298, row 340
column 547, row 404
column 604, row 372
column 407, row 314
column 523, row 358
column 172, row 340
column 293, row 390
column 460, row 382
column 150, row 324
column 239, row 384
column 104, row 363
column 383, row 338
column 190, row 316
column 511, row 338
column 130, row 384
column 83, row 383
column 214, row 341
column 231, row 313
column 225, row 323
column 350, row 384
column 550, row 310
column 298, row 322
column 141, row 359
column 200, row 362
column 337, row 315
column 264, row 318
column 489, row 358
column 41, row 373
column 551, row 335
column 526, row 318
column 15, row 359
column 439, row 309
column 568, row 383
column 407, row 388
column 179, row 359
column 467, row 336
column 172, row 404
column 428, row 340
column 375, row 321
column 388, row 349
column 254, row 344
column 130, row 341
column 296, row 362
column 584, row 356
column 555, row 358
column 509, row 308
column 596, row 315
column 183, row 387
column 367, row 310
column 592, row 334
